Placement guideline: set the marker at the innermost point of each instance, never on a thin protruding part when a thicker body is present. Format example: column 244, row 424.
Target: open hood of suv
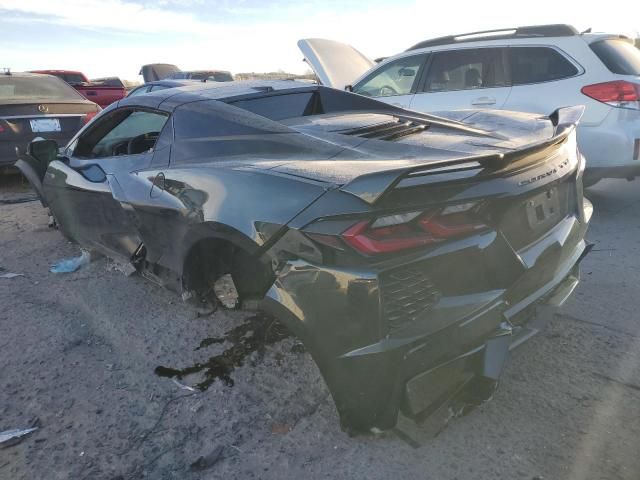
column 157, row 71
column 336, row 64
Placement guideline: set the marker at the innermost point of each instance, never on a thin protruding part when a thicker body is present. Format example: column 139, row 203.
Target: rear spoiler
column 371, row 187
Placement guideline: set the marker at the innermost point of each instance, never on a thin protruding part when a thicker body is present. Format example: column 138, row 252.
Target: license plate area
column 544, row 210
column 45, row 125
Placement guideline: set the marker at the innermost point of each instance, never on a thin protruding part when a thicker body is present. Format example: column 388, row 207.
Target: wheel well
column 211, row 258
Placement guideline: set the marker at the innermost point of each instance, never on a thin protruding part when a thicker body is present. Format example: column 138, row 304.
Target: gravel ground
column 80, row 353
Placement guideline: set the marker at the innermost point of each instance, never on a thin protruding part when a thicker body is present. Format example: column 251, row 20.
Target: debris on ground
column 71, row 264
column 226, row 292
column 183, row 386
column 11, row 275
column 125, row 268
column 206, row 462
column 8, row 438
column 280, row 428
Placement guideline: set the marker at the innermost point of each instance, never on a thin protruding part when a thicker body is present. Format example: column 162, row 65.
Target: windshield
column 71, row 78
column 221, row 77
column 618, row 56
column 35, row 88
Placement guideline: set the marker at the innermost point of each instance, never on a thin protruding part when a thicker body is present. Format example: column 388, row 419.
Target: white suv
column 532, row 69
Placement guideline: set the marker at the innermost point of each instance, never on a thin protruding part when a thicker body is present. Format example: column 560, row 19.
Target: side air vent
column 406, row 295
column 388, row 131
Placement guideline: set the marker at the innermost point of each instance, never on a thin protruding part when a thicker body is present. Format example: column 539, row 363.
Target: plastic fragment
column 71, row 264
column 11, row 275
column 183, row 386
column 15, row 436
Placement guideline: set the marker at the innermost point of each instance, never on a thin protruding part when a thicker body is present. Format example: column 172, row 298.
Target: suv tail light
column 394, row 233
column 619, row 93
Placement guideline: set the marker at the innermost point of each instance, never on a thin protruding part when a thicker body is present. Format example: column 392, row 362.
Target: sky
column 115, row 37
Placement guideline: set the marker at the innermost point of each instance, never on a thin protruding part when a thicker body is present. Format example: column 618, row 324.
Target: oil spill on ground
column 252, row 336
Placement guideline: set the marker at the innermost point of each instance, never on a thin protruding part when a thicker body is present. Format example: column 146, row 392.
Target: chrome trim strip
column 58, row 115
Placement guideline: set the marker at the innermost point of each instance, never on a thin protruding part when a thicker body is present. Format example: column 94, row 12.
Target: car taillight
column 619, row 93
column 411, row 230
column 87, row 118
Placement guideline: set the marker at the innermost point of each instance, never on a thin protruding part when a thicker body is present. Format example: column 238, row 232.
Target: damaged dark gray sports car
column 406, row 251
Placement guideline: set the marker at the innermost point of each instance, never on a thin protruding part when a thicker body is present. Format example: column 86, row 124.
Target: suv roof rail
column 555, row 30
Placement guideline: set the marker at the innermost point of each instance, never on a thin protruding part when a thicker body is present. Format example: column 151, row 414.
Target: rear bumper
column 592, row 175
column 7, row 154
column 374, row 369
column 611, row 148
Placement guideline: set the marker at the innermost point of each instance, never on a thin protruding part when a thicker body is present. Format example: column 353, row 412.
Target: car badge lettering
column 546, row 174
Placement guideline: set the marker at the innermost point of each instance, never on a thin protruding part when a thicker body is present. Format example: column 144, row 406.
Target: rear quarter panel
column 245, row 206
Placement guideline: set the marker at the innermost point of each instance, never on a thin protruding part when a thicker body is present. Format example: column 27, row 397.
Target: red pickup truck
column 97, row 92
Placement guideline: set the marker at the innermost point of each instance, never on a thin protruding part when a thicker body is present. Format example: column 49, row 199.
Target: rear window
column 108, row 82
column 36, row 88
column 72, row 78
column 197, row 75
column 279, row 107
column 221, row 77
column 538, row 64
column 618, row 56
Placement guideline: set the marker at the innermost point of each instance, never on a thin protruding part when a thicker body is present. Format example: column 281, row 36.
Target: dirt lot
column 79, row 354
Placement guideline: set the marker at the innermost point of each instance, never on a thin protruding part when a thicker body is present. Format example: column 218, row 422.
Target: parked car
column 161, row 71
column 212, row 75
column 160, row 85
column 407, row 251
column 532, row 69
column 99, row 92
column 109, row 82
column 43, row 106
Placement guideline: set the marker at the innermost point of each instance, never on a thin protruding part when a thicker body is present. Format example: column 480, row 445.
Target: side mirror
column 42, row 150
column 348, row 88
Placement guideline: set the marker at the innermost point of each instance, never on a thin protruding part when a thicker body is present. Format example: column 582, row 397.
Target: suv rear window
column 618, row 56
column 538, row 64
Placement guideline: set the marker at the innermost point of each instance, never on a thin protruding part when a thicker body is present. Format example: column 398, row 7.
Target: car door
column 466, row 78
column 394, row 81
column 543, row 79
column 82, row 186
